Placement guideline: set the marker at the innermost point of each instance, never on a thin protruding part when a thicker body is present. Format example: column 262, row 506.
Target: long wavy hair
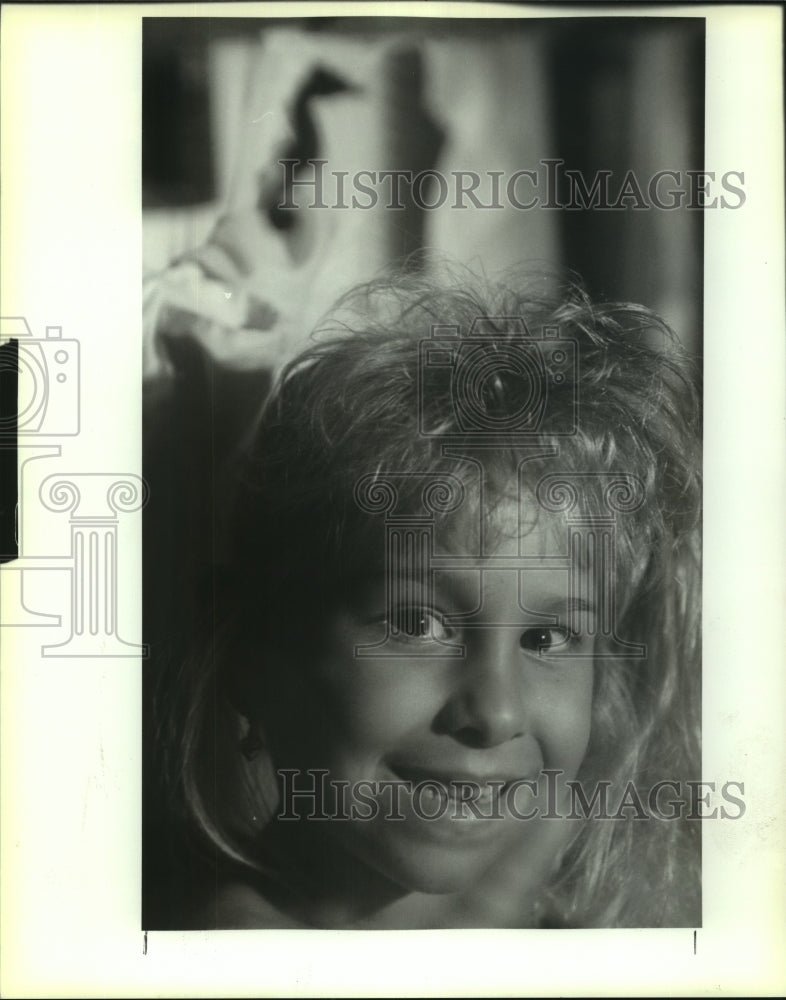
column 360, row 401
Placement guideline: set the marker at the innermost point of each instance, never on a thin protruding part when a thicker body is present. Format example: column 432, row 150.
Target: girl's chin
column 436, row 864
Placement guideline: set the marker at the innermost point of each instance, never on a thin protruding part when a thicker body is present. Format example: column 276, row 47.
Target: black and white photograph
column 424, row 617
column 396, row 502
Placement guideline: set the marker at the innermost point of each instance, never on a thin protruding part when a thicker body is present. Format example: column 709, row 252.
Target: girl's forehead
column 502, row 527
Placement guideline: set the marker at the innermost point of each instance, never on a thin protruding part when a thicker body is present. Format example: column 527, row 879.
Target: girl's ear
column 247, row 795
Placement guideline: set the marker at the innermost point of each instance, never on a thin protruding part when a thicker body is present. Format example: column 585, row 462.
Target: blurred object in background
column 493, row 96
column 225, row 102
column 630, row 97
column 296, row 100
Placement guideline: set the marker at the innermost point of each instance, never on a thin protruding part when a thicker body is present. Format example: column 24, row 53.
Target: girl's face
column 426, row 715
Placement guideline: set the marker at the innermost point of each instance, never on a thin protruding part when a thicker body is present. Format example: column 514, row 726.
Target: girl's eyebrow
column 569, row 604
column 558, row 602
column 558, row 608
column 447, row 586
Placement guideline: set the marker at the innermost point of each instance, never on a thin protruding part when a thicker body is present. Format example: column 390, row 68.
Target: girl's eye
column 542, row 638
column 411, row 623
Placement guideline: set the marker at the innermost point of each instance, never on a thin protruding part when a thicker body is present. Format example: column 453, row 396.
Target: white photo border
column 71, row 728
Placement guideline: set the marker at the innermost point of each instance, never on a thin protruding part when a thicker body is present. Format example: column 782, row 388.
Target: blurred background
column 234, row 284
column 224, row 99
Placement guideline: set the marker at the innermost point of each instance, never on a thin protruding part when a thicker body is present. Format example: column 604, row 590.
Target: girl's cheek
column 562, row 718
column 375, row 696
column 390, row 690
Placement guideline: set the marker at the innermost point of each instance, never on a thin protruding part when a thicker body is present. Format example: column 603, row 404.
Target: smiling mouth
column 483, row 792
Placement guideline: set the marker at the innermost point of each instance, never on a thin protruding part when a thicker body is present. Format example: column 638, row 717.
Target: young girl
column 451, row 675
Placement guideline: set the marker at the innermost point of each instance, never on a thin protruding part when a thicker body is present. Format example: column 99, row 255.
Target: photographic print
column 425, row 616
column 392, row 454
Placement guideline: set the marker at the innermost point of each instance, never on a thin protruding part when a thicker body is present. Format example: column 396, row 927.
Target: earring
column 250, row 744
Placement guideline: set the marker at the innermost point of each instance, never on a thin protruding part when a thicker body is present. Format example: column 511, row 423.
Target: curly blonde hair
column 357, row 401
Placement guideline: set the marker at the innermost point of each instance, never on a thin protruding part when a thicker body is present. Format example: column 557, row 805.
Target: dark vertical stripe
column 9, row 427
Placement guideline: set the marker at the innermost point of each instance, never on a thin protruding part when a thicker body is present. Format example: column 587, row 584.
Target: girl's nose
column 487, row 705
